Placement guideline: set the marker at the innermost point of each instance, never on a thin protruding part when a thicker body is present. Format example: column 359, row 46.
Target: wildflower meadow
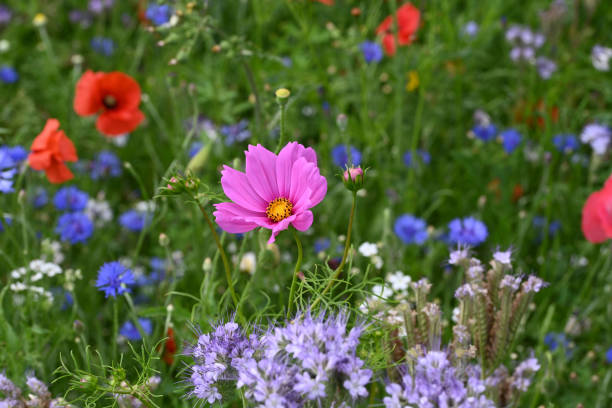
column 305, row 203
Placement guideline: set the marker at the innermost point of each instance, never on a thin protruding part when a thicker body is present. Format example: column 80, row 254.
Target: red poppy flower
column 114, row 94
column 408, row 18
column 326, row 2
column 597, row 215
column 169, row 347
column 50, row 150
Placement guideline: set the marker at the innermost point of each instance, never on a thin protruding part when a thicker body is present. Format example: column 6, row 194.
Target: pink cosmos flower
column 273, row 193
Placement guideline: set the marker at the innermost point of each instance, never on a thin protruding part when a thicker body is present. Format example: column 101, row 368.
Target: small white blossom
column 248, row 263
column 368, row 249
column 399, row 282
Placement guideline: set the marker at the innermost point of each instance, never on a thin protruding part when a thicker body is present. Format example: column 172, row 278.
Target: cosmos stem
column 347, row 246
column 298, row 265
column 283, row 132
column 226, row 265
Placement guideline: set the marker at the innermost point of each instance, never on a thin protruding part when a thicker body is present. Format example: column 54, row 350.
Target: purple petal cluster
column 467, row 231
column 217, row 356
column 308, row 359
column 437, row 383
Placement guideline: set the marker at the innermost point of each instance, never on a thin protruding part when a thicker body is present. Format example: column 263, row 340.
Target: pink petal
column 280, row 226
column 591, row 221
column 261, row 171
column 234, row 219
column 303, row 221
column 236, row 186
column 306, row 179
column 284, row 164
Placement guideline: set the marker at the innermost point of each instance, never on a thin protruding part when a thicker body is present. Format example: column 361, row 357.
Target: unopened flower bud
column 164, row 241
column 342, row 121
column 353, row 178
column 39, row 20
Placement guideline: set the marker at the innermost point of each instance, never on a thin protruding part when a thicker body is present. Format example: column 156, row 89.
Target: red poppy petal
column 113, row 123
column 389, row 44
column 123, row 88
column 58, row 172
column 87, row 98
column 39, row 160
column 591, row 221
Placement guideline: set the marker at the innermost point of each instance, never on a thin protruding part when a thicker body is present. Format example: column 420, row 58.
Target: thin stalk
column 115, row 329
column 226, row 265
column 344, row 256
column 283, row 133
column 298, row 264
column 258, row 110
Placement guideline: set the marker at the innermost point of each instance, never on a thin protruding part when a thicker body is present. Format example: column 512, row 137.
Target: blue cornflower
column 195, row 149
column 511, row 138
column 609, row 355
column 423, row 156
column 321, row 244
column 485, row 132
column 114, row 278
column 340, row 156
column 134, row 220
column 130, row 331
column 103, row 45
column 7, row 172
column 467, row 231
column 17, row 153
column 106, row 164
column 566, row 143
column 8, row 75
column 372, row 52
column 159, row 14
column 40, row 198
column 238, row 132
column 410, row 229
column 554, row 340
column 74, row 227
column 70, row 199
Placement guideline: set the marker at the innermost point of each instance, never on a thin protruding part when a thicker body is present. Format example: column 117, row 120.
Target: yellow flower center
column 279, row 209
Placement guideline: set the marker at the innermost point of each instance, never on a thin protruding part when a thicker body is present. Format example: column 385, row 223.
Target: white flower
column 120, row 140
column 248, row 263
column 598, row 136
column 399, row 282
column 4, row 45
column 382, row 291
column 600, row 56
column 145, row 206
column 99, row 211
column 368, row 249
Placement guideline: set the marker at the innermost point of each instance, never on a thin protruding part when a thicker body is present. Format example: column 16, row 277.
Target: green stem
column 115, row 329
column 258, row 109
column 298, row 264
column 344, row 256
column 283, row 134
column 226, row 265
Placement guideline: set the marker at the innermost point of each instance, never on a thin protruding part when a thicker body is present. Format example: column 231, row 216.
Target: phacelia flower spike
column 115, row 96
column 273, row 193
column 50, row 150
